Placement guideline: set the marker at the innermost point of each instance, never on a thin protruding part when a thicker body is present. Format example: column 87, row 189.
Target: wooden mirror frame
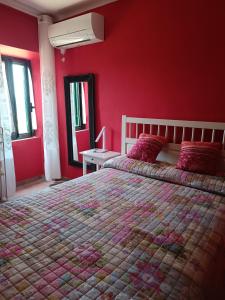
column 89, row 78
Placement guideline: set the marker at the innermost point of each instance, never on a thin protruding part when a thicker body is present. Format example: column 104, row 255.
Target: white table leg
column 97, row 167
column 84, row 166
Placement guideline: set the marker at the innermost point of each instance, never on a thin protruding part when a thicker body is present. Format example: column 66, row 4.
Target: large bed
column 131, row 230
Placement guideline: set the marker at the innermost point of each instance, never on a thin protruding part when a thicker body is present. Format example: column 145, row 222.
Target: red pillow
column 199, row 157
column 147, row 147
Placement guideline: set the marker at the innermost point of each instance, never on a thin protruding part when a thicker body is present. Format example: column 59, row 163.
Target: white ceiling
column 59, row 9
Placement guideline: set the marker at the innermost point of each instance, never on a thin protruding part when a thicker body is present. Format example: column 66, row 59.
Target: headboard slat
column 136, row 131
column 174, row 134
column 213, row 136
column 192, row 134
column 166, row 132
column 202, row 135
column 223, row 142
column 158, row 130
column 183, row 134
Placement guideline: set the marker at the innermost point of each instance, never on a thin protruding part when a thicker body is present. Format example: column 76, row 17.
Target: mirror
column 79, row 100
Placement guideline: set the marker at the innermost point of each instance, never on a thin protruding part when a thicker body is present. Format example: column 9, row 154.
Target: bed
column 131, row 230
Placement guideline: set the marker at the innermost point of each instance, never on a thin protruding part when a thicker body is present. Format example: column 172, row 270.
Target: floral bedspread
column 112, row 234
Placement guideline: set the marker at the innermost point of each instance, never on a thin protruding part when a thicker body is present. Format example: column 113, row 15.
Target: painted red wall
column 17, row 29
column 19, row 38
column 160, row 59
column 28, row 158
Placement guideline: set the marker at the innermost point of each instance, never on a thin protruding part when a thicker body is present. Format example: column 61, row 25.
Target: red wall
column 160, row 59
column 17, row 29
column 20, row 31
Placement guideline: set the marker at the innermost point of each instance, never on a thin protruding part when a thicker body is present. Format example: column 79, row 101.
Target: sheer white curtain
column 8, row 185
column 49, row 105
column 83, row 103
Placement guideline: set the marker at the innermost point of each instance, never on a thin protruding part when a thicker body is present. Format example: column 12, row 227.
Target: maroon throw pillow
column 147, row 147
column 199, row 157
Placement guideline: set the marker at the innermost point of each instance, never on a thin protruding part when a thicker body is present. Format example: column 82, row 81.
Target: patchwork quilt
column 129, row 231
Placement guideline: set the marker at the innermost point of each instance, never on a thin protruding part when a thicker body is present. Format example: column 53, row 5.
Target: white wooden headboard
column 175, row 130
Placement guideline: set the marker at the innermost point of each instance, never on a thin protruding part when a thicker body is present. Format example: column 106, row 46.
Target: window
column 17, row 75
column 78, row 104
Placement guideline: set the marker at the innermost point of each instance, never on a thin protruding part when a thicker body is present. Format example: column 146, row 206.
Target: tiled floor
column 32, row 187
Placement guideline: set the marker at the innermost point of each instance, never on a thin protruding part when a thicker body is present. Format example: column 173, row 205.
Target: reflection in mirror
column 79, row 115
column 78, row 103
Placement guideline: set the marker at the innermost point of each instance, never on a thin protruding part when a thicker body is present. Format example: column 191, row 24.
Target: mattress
column 132, row 230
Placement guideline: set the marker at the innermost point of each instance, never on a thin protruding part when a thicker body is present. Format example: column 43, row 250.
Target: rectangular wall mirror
column 79, row 101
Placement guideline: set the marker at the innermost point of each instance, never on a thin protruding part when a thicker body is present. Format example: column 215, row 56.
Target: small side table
column 97, row 158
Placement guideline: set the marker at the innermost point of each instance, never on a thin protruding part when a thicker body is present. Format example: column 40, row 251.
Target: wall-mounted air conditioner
column 78, row 31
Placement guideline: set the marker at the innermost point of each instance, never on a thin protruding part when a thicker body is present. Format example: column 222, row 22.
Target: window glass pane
column 33, row 114
column 19, row 89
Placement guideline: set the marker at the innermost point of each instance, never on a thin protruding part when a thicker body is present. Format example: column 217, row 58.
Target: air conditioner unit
column 78, row 31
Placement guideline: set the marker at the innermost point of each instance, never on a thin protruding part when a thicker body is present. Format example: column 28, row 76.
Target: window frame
column 9, row 60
